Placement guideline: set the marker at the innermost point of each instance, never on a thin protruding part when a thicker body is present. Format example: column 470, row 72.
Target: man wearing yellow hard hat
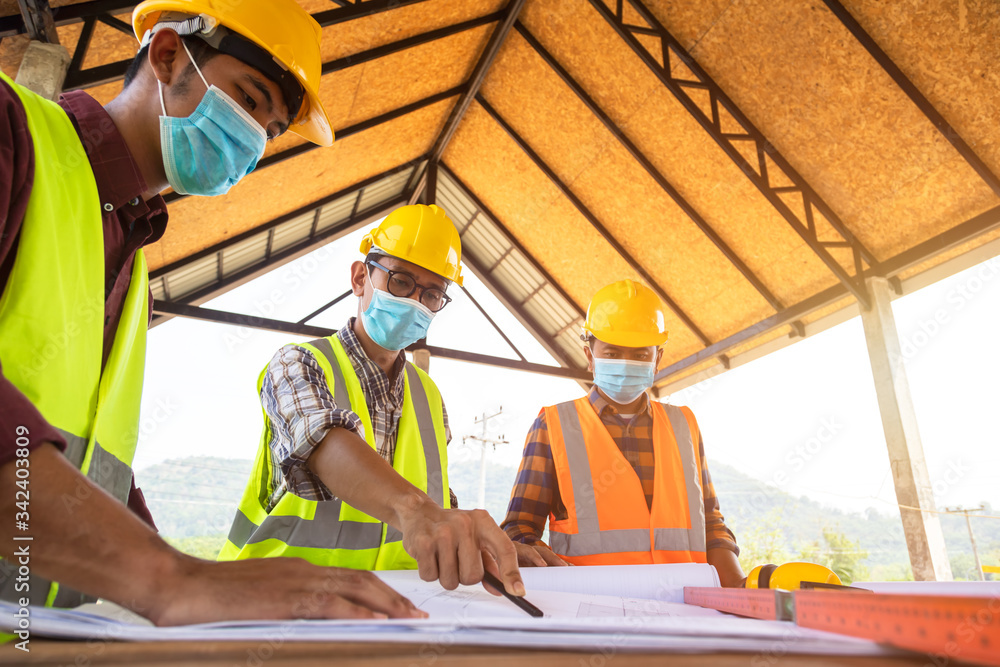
column 81, row 183
column 352, row 468
column 620, row 478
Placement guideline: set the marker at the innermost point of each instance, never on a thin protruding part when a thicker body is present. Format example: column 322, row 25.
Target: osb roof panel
column 792, row 67
column 199, row 222
column 840, row 120
column 539, row 216
column 351, row 37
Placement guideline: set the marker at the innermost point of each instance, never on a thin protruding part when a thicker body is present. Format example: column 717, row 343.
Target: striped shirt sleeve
column 535, row 494
column 300, row 412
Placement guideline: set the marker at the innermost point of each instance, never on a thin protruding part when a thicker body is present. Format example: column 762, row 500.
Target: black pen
column 520, row 602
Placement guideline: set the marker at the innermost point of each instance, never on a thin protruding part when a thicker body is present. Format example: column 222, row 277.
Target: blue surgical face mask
column 623, row 381
column 395, row 322
column 212, row 149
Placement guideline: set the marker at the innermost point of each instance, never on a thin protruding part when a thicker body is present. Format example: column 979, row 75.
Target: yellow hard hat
column 285, row 31
column 423, row 235
column 627, row 313
column 790, row 576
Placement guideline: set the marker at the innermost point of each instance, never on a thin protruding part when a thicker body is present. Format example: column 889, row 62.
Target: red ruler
column 756, row 603
column 948, row 628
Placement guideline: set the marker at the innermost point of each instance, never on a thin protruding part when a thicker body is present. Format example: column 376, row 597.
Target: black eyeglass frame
column 416, row 285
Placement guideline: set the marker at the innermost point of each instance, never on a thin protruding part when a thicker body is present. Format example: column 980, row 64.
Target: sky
column 804, row 419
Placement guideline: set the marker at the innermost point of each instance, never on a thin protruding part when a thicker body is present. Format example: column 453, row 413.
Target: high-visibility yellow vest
column 608, row 521
column 52, row 326
column 331, row 532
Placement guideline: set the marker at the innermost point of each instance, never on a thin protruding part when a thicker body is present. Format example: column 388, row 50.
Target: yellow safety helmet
column 423, row 235
column 790, row 576
column 627, row 313
column 281, row 28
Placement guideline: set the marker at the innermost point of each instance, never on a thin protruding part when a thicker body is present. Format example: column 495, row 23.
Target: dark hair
column 200, row 51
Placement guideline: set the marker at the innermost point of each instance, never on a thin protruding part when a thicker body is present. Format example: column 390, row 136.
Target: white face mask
column 623, row 380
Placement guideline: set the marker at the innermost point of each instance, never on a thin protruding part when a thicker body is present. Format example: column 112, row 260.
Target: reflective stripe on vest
column 296, row 523
column 589, row 539
column 52, row 324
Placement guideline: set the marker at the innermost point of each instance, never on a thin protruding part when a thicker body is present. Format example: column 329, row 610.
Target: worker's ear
column 659, row 355
column 359, row 278
column 165, row 56
column 590, row 356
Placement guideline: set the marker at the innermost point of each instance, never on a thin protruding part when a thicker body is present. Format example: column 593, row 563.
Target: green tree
column 839, row 553
column 764, row 541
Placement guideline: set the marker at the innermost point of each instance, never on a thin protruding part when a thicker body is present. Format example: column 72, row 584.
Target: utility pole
column 972, row 537
column 483, row 441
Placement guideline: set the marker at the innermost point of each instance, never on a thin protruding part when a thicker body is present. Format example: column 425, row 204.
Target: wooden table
column 316, row 654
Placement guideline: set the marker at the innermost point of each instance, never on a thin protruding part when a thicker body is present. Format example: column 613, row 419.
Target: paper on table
column 467, row 602
column 655, row 582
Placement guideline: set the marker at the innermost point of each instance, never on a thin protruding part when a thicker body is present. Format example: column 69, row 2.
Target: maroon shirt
column 129, row 223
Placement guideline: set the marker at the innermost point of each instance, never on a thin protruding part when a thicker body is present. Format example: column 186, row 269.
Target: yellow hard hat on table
column 628, row 314
column 422, row 235
column 281, row 28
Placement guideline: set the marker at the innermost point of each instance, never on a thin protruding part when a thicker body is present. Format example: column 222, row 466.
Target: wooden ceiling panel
column 728, row 201
column 348, row 38
column 950, row 51
column 11, row 52
column 411, row 75
column 538, row 216
column 593, row 54
column 107, row 44
column 688, row 21
column 904, row 218
column 543, row 110
column 199, row 222
column 664, row 241
column 840, row 120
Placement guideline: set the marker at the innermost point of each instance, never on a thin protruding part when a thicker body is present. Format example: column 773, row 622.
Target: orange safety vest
column 608, row 521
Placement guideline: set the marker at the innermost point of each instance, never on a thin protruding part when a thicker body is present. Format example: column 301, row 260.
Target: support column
column 924, row 538
column 422, row 359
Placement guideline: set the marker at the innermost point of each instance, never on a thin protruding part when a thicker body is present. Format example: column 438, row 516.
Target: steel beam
column 409, row 42
column 961, row 234
column 592, row 219
column 184, row 310
column 476, row 80
column 653, row 172
column 281, row 219
column 288, row 254
column 512, row 364
column 113, row 71
column 295, row 151
column 758, row 173
column 918, row 98
column 38, row 21
column 924, row 539
column 172, row 309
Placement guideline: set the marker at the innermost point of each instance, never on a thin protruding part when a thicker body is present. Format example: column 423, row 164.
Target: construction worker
column 79, row 197
column 622, row 479
column 352, row 468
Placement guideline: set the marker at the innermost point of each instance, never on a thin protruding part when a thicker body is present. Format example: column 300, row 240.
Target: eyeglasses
column 401, row 283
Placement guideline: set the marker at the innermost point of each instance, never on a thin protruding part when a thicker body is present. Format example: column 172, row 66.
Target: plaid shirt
column 536, row 491
column 300, row 412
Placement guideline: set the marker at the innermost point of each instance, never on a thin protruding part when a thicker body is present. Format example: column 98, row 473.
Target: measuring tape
column 947, row 627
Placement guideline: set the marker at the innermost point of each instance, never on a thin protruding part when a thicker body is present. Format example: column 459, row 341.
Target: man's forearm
column 728, row 566
column 83, row 537
column 355, row 473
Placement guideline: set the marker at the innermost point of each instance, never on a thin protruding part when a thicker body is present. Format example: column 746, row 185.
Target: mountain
column 193, row 501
